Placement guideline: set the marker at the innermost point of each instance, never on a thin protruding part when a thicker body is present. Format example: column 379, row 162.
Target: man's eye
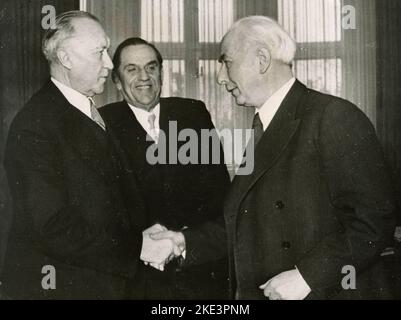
column 132, row 69
column 152, row 68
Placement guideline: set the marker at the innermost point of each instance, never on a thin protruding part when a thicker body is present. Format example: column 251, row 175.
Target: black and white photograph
column 200, row 150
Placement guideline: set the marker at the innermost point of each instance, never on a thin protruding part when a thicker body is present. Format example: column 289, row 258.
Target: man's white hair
column 62, row 29
column 266, row 32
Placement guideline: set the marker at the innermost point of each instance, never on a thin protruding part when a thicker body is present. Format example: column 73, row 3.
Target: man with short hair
column 178, row 195
column 320, row 197
column 319, row 200
column 77, row 224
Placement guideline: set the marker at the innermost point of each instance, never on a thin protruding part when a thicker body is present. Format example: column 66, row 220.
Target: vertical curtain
column 360, row 58
column 23, row 70
column 331, row 58
column 389, row 86
column 121, row 19
column 188, row 34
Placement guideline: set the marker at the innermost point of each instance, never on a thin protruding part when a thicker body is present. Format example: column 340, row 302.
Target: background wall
column 23, row 70
column 389, row 86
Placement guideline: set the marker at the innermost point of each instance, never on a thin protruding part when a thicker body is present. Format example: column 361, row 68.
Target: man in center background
column 177, row 196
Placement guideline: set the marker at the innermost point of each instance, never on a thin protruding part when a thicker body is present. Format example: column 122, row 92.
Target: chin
column 99, row 90
column 240, row 102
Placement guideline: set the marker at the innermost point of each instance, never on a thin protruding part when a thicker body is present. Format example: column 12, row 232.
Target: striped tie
column 153, row 131
column 95, row 115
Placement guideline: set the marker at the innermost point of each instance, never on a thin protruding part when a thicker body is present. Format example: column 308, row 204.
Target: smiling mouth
column 143, row 87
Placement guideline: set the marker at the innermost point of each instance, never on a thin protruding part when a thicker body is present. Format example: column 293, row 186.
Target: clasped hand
column 160, row 246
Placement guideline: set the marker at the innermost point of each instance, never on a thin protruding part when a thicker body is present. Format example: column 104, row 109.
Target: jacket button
column 279, row 205
column 286, row 245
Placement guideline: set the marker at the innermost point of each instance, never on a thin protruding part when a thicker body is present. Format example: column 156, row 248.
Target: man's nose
column 143, row 74
column 222, row 77
column 107, row 61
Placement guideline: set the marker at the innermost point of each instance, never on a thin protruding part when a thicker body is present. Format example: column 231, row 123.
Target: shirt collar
column 142, row 115
column 270, row 107
column 75, row 98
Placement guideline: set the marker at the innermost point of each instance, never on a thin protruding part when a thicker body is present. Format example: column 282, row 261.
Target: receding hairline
column 78, row 23
column 79, row 32
column 254, row 31
column 67, row 25
column 230, row 43
column 117, row 58
column 139, row 45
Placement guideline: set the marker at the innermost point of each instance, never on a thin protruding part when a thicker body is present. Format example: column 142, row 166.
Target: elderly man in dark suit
column 77, row 225
column 319, row 205
column 178, row 194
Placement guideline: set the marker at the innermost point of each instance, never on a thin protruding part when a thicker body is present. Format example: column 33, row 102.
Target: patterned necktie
column 153, row 133
column 95, row 115
column 257, row 126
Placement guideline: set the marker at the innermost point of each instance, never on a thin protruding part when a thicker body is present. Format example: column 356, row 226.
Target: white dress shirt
column 270, row 107
column 143, row 118
column 75, row 98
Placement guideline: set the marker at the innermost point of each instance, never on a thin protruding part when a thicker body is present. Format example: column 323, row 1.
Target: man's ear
column 64, row 58
column 161, row 75
column 118, row 82
column 265, row 60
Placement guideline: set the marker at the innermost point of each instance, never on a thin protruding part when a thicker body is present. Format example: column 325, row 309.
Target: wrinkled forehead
column 231, row 44
column 90, row 31
column 140, row 54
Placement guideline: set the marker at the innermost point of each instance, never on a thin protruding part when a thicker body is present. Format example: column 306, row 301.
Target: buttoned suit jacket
column 319, row 199
column 75, row 205
column 178, row 196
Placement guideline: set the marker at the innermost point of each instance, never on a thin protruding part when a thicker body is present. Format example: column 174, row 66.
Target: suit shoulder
column 114, row 112
column 334, row 107
column 337, row 114
column 114, row 105
column 41, row 108
column 184, row 104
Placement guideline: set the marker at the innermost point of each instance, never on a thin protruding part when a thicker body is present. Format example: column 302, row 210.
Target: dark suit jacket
column 319, row 198
column 69, row 187
column 176, row 195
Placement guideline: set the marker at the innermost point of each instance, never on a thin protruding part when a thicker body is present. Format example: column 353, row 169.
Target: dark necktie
column 257, row 127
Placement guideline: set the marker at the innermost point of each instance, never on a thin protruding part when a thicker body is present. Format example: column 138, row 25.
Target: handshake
column 160, row 246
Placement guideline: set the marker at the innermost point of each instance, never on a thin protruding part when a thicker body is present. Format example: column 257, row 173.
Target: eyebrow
column 135, row 65
column 105, row 47
column 130, row 65
column 152, row 62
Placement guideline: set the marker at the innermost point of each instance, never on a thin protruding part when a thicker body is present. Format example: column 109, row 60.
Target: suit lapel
column 81, row 133
column 274, row 141
column 165, row 116
column 171, row 110
column 132, row 134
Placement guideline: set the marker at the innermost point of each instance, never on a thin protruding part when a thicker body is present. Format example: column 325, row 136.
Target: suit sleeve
column 360, row 192
column 54, row 224
column 208, row 241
